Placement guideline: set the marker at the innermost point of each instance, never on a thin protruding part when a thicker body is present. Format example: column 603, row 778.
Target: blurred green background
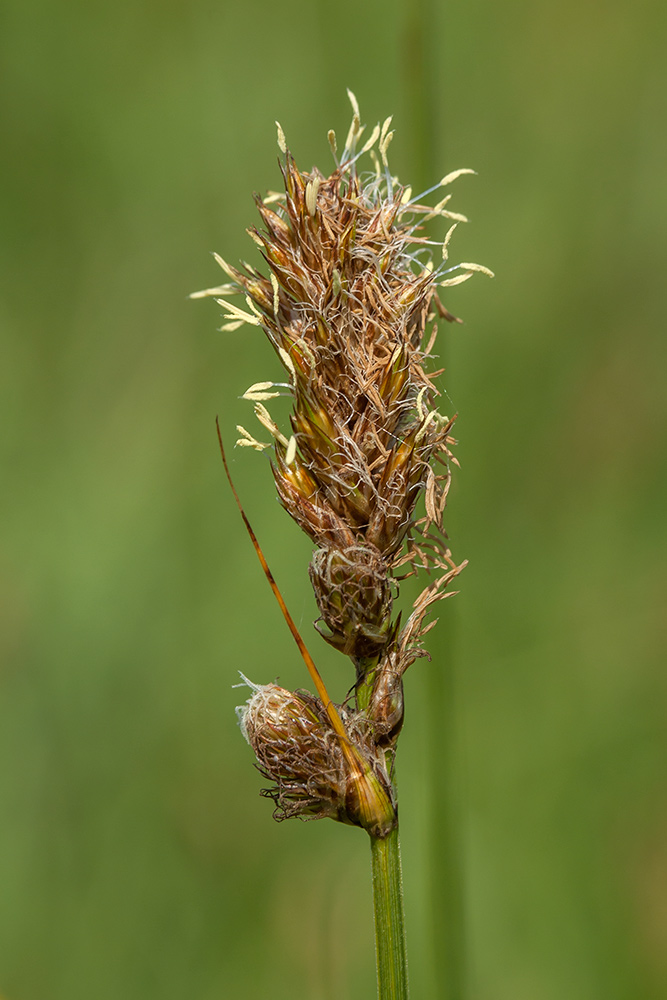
column 136, row 858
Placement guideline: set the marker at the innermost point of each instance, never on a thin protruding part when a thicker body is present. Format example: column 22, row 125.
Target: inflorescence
column 350, row 305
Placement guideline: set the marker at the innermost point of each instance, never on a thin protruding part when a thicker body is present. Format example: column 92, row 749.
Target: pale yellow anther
column 289, row 364
column 354, row 103
column 430, row 497
column 352, row 134
column 428, row 267
column 422, row 430
column 407, row 195
column 458, row 279
column 220, row 290
column 229, row 327
column 448, row 178
column 267, row 421
column 456, row 216
column 258, row 386
column 276, row 294
column 223, row 264
column 448, row 237
column 248, row 441
column 480, row 268
column 372, row 139
column 272, row 197
column 385, row 146
column 255, row 237
column 258, row 392
column 437, row 209
column 355, row 128
column 252, row 307
column 290, row 454
column 282, row 142
column 331, row 136
column 235, row 313
column 312, row 187
column 418, row 405
column 385, row 127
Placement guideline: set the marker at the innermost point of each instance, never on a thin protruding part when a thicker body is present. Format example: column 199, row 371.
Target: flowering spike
column 349, row 306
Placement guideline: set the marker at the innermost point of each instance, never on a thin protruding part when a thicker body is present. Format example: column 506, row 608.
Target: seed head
column 350, row 305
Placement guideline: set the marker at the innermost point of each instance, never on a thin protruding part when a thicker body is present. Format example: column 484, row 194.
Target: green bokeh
column 136, row 858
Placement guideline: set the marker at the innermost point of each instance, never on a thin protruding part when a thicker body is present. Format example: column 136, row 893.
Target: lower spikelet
column 313, row 776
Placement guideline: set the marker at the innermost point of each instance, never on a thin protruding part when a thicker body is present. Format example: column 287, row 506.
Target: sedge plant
column 350, row 300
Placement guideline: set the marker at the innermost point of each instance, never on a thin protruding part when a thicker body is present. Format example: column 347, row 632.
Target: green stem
column 390, row 950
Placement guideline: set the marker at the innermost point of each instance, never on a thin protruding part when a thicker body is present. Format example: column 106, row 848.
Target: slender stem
column 390, row 951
